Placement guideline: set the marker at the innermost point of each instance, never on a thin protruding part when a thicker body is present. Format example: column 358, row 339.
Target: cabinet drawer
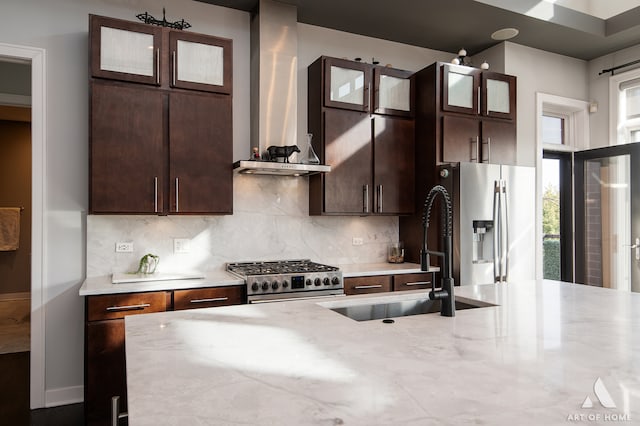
column 412, row 281
column 363, row 285
column 208, row 297
column 116, row 306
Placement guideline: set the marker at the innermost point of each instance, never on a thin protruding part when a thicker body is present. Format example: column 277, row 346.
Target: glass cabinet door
column 347, row 84
column 499, row 95
column 125, row 50
column 393, row 93
column 460, row 89
column 201, row 62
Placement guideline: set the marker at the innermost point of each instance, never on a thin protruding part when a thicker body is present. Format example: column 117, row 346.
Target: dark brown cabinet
column 466, row 139
column 417, row 281
column 165, row 149
column 361, row 119
column 105, row 374
column 142, row 53
column 105, row 364
column 366, row 285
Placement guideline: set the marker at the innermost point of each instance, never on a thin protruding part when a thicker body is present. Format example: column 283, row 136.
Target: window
column 553, row 128
column 624, row 98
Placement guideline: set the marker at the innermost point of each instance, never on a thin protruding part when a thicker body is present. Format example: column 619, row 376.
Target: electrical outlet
column 124, row 247
column 181, row 245
column 357, row 241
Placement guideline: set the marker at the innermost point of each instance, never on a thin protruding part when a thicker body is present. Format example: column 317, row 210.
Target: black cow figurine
column 276, row 152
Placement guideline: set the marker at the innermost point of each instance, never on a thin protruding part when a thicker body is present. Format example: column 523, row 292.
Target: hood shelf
column 278, row 169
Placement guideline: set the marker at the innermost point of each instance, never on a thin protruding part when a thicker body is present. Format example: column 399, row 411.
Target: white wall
column 544, row 72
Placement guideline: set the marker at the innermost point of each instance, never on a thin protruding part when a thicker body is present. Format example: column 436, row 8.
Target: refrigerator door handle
column 496, row 230
column 504, row 232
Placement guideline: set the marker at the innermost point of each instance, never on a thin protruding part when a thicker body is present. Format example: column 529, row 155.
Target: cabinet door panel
column 394, row 165
column 460, row 89
column 498, row 142
column 122, row 50
column 200, row 153
column 347, row 138
column 460, row 139
column 412, row 281
column 498, row 95
column 208, row 297
column 393, row 92
column 347, row 84
column 200, row 62
column 364, row 285
column 105, row 371
column 126, row 164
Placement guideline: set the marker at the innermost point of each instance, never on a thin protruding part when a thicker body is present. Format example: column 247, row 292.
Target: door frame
column 633, row 150
column 37, row 57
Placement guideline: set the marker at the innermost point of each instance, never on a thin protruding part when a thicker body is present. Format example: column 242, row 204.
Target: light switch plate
column 181, row 245
column 124, row 247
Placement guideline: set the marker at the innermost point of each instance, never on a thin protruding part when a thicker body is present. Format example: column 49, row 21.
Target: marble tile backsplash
column 270, row 222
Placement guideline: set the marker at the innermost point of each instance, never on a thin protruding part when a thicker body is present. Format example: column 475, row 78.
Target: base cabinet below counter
column 384, row 283
column 105, row 367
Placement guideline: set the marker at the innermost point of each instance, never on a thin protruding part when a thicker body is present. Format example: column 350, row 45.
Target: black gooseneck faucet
column 445, row 293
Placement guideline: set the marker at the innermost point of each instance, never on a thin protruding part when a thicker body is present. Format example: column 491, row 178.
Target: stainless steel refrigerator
column 493, row 222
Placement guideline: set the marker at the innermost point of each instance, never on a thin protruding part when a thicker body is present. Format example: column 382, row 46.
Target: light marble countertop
column 531, row 360
column 96, row 286
column 102, row 285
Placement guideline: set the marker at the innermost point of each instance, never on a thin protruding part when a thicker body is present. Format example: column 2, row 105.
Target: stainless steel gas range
column 287, row 279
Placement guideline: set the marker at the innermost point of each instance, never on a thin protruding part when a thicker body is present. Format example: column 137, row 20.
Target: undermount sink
column 403, row 308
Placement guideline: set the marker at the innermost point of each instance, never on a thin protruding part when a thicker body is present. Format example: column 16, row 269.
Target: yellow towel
column 9, row 228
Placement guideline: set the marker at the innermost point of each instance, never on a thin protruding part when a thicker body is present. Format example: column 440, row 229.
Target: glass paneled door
column 607, row 236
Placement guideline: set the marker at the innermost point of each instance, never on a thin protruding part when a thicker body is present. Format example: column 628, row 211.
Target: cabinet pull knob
column 158, row 67
column 173, row 60
column 488, row 144
column 212, row 299
column 365, row 198
column 128, row 307
column 155, row 194
column 177, row 195
column 474, row 149
column 418, row 283
column 363, row 287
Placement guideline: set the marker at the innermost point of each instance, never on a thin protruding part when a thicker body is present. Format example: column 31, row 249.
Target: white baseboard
column 64, row 396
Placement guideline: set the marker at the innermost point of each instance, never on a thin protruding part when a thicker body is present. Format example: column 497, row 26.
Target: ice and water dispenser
column 482, row 241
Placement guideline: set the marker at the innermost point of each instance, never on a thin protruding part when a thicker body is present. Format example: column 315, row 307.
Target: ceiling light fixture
column 505, row 34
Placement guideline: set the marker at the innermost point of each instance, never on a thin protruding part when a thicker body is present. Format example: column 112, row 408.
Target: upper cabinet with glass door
column 474, row 91
column 123, row 50
column 347, row 84
column 393, row 92
column 200, row 62
column 143, row 53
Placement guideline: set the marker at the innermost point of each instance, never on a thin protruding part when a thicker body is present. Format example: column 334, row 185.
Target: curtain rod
column 611, row 70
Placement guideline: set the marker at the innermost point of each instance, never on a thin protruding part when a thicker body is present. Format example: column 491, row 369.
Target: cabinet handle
column 379, row 198
column 213, row 299
column 177, row 195
column 478, row 101
column 128, row 307
column 363, row 287
column 367, row 98
column 173, row 60
column 158, row 66
column 365, row 197
column 418, row 283
column 474, row 149
column 155, row 194
column 488, row 144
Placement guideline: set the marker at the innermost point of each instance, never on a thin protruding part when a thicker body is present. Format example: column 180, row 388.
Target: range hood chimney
column 274, row 88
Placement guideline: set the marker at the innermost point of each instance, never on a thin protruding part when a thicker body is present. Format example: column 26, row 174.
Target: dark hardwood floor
column 14, row 398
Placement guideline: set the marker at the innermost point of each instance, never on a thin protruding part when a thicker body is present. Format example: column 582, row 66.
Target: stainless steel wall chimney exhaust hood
column 274, row 88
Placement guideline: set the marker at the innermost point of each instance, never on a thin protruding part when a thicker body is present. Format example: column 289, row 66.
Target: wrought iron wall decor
column 177, row 25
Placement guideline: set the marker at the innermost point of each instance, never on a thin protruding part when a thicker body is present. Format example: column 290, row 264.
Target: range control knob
column 265, row 285
column 308, row 282
column 317, row 281
column 275, row 285
column 255, row 286
column 326, row 281
column 335, row 281
column 285, row 284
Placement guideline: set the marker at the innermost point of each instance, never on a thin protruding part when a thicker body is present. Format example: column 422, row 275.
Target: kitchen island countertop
column 532, row 359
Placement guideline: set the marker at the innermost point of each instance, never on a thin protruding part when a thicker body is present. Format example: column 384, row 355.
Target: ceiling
column 452, row 24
